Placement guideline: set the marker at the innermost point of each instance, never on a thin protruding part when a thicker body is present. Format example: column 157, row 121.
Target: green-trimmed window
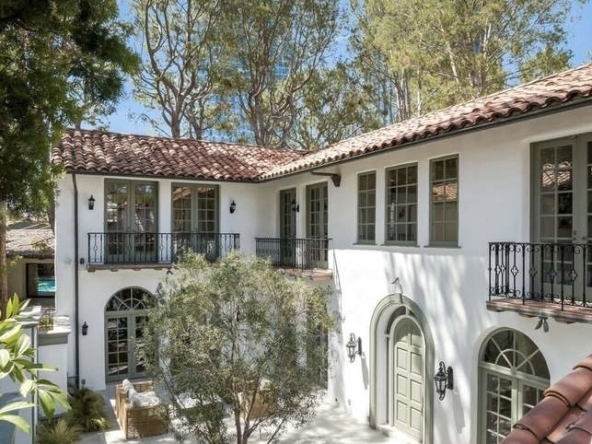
column 401, row 204
column 444, row 201
column 513, row 378
column 195, row 208
column 367, row 207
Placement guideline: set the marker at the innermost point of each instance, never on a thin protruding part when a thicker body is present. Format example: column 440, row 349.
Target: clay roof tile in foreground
column 563, row 416
column 96, row 152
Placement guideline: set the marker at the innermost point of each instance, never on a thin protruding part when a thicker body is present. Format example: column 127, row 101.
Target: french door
column 131, row 221
column 124, row 346
column 563, row 218
column 287, row 227
column 317, row 203
column 126, row 315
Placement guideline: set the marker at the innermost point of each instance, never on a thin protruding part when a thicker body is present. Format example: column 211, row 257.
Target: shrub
column 58, row 432
column 88, row 410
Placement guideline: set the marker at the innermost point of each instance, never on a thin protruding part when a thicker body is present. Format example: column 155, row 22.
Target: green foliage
column 58, row 60
column 232, row 66
column 57, row 432
column 16, row 362
column 88, row 410
column 435, row 54
column 236, row 334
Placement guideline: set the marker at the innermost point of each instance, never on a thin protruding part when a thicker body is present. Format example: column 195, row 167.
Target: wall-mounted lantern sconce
column 444, row 380
column 232, row 207
column 295, row 207
column 84, row 329
column 354, row 347
column 91, row 202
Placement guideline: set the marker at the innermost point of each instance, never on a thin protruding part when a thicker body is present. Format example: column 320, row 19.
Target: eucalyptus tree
column 440, row 53
column 237, row 336
column 183, row 53
column 275, row 47
column 47, row 49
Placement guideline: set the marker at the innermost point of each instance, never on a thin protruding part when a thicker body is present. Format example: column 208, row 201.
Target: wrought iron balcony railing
column 157, row 248
column 304, row 254
column 559, row 274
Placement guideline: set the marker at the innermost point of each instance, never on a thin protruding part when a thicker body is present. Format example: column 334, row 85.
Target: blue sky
column 580, row 43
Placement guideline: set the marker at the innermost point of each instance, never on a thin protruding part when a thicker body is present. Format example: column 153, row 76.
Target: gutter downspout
column 76, row 283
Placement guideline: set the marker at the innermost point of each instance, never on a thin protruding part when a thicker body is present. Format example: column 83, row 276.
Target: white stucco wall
column 450, row 285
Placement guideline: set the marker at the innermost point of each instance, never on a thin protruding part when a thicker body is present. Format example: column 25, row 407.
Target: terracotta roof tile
column 86, row 151
column 543, row 93
column 98, row 152
column 30, row 239
column 563, row 416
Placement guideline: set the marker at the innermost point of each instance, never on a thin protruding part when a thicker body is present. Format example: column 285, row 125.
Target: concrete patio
column 330, row 426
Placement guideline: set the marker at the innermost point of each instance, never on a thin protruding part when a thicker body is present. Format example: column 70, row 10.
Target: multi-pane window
column 401, row 204
column 444, row 201
column 195, row 208
column 366, row 207
column 514, row 376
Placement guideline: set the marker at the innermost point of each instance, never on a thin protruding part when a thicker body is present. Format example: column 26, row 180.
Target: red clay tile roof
column 564, row 415
column 30, row 239
column 108, row 153
column 86, row 151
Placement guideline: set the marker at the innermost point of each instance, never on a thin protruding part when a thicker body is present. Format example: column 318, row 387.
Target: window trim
column 445, row 244
column 388, row 242
column 518, row 378
column 194, row 216
column 358, row 240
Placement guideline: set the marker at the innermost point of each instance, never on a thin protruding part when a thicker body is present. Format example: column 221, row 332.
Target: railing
column 559, row 274
column 143, row 248
column 304, row 254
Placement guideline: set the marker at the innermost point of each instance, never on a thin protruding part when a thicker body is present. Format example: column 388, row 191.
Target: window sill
column 366, row 244
column 444, row 247
column 391, row 244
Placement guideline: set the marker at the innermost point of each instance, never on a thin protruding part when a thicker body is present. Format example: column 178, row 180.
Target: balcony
column 299, row 257
column 536, row 279
column 155, row 250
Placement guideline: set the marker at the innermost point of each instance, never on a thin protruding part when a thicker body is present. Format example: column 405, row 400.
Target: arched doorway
column 402, row 360
column 125, row 316
column 513, row 375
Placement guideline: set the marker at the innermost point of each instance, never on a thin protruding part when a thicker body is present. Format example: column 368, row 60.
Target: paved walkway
column 330, row 426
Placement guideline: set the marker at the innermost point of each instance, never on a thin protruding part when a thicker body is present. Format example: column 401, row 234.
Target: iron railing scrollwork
column 304, row 254
column 145, row 248
column 557, row 273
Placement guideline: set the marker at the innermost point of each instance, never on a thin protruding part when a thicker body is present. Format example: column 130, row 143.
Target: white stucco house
column 461, row 236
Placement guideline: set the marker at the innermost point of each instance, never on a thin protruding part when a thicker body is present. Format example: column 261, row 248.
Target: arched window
column 125, row 316
column 513, row 376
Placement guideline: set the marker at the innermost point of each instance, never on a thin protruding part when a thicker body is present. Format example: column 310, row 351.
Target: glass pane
column 437, row 170
column 548, row 204
column 451, row 168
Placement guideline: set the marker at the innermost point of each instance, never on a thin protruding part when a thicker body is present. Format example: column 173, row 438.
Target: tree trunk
column 4, row 296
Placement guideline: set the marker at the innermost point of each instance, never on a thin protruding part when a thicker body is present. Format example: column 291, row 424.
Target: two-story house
column 460, row 237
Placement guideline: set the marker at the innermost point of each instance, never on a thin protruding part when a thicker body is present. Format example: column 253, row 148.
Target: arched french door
column 513, row 376
column 402, row 363
column 125, row 316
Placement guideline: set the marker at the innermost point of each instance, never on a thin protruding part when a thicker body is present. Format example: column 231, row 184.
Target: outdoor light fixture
column 91, row 202
column 354, row 347
column 295, row 206
column 443, row 380
column 232, row 207
column 84, row 329
column 542, row 323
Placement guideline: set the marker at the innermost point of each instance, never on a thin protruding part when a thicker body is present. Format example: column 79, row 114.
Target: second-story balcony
column 308, row 257
column 156, row 249
column 541, row 279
